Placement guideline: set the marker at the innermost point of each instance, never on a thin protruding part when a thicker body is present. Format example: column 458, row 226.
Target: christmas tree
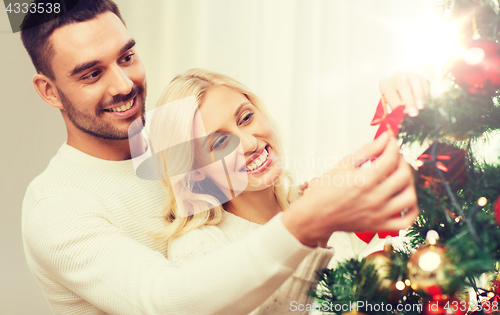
column 456, row 238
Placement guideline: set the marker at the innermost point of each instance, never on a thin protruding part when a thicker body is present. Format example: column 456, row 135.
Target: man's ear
column 46, row 88
column 198, row 176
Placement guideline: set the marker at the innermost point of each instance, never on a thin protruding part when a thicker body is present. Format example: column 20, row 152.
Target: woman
column 224, row 177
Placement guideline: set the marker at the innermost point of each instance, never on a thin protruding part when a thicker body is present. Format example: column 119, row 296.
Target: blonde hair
column 178, row 129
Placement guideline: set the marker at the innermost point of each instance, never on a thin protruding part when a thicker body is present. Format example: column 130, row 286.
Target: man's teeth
column 258, row 161
column 123, row 107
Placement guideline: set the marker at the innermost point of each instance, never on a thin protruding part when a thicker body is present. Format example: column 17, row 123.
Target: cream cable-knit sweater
column 85, row 223
column 285, row 300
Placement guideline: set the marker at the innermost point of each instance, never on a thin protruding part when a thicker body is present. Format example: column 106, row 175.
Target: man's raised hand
column 354, row 198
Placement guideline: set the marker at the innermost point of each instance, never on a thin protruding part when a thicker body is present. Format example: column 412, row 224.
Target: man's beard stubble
column 94, row 126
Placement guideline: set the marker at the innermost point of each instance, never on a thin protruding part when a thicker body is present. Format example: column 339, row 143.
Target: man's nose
column 120, row 82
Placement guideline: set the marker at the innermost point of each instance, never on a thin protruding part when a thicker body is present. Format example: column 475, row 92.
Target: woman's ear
column 198, row 176
column 47, row 90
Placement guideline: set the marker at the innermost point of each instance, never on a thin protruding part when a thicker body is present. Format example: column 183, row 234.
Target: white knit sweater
column 85, row 223
column 209, row 239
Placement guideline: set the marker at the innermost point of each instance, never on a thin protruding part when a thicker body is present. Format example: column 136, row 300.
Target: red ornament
column 449, row 160
column 496, row 285
column 440, row 305
column 497, row 217
column 366, row 236
column 478, row 71
column 390, row 122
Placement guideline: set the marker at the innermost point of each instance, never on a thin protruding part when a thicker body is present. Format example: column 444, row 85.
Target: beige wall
column 31, row 132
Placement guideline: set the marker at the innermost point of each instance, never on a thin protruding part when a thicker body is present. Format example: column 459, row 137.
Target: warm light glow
column 438, row 42
column 435, row 41
column 429, row 261
column 408, row 282
column 432, row 237
column 419, row 163
column 490, row 295
column 482, row 201
column 474, row 56
column 400, row 285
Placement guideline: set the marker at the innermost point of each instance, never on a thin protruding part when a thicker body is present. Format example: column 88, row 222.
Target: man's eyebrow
column 87, row 65
column 84, row 66
column 127, row 46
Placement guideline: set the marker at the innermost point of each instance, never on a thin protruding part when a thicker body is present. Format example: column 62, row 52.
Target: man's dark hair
column 36, row 28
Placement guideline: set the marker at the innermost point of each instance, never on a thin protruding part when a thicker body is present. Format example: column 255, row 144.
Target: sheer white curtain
column 315, row 63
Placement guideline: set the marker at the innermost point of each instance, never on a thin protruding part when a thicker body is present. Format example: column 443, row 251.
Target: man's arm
column 75, row 243
column 207, row 240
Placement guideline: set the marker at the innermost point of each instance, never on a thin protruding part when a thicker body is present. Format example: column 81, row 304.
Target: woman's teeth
column 258, row 161
column 123, row 107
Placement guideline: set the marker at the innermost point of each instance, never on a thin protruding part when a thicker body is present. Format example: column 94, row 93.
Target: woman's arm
column 293, row 291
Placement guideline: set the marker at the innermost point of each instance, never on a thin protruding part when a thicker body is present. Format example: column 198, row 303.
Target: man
column 86, row 218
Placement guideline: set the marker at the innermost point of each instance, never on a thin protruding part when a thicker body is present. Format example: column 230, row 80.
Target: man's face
column 99, row 77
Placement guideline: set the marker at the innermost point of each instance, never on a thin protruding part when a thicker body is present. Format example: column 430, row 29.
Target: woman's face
column 227, row 116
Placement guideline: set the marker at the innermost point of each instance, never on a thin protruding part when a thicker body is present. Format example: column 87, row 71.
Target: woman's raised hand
column 407, row 89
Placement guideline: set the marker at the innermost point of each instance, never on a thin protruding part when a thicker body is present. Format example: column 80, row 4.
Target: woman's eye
column 247, row 118
column 219, row 142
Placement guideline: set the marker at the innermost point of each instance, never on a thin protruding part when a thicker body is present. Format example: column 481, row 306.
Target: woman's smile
column 259, row 161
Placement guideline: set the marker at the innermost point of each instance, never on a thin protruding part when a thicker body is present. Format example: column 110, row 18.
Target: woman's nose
column 249, row 142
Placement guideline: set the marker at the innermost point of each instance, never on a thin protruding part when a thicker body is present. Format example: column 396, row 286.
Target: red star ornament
column 390, row 122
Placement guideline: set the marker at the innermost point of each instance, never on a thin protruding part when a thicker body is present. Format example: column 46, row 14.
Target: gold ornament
column 382, row 261
column 429, row 269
